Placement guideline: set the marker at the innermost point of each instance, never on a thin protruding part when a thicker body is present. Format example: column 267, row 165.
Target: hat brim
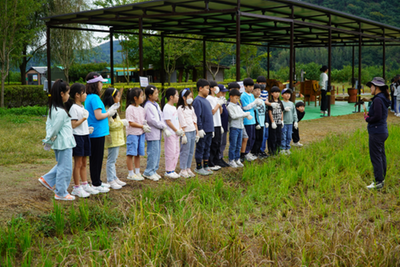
column 380, row 85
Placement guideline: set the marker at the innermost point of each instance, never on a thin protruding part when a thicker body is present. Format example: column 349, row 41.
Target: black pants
column 274, row 139
column 251, row 132
column 391, row 102
column 215, row 147
column 296, row 135
column 324, row 101
column 259, row 139
column 377, row 155
column 96, row 159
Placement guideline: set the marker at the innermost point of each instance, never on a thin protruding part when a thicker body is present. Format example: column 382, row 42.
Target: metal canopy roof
column 264, row 21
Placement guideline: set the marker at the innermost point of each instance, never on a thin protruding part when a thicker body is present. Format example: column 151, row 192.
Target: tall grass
column 308, row 209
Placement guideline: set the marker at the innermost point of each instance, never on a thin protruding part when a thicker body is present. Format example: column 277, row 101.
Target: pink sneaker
column 190, row 173
column 45, row 184
column 67, row 197
column 184, row 174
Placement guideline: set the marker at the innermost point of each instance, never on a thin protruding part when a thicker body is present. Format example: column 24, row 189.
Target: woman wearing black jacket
column 377, row 129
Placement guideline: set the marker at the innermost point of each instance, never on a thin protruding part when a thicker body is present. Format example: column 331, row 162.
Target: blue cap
column 222, row 88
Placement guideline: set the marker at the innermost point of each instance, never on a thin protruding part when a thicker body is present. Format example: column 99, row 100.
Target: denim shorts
column 135, row 145
column 82, row 148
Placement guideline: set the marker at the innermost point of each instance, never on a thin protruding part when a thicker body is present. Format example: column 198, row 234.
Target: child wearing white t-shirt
column 216, row 105
column 80, row 130
column 171, row 143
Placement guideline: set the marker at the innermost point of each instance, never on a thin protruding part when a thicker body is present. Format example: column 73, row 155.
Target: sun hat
column 378, row 81
column 97, row 79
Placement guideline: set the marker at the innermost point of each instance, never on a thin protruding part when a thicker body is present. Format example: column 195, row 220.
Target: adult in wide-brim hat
column 377, row 129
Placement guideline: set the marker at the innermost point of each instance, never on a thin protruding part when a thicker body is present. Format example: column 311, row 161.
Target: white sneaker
column 152, row 177
column 298, row 144
column 184, row 174
column 215, row 168
column 283, row 152
column 233, row 164
column 253, row 156
column 89, row 189
column 120, row 182
column 172, row 175
column 288, row 152
column 138, row 175
column 248, row 157
column 102, row 188
column 158, row 176
column 79, row 192
column 134, row 177
column 239, row 164
column 106, row 185
column 114, row 185
column 191, row 174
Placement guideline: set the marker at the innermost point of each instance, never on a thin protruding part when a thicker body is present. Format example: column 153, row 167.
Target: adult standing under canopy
column 323, row 83
column 377, row 129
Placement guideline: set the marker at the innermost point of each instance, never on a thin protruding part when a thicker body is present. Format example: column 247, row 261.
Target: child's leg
column 184, row 153
column 191, row 136
column 398, row 105
column 83, row 172
column 199, row 152
column 169, row 152
column 158, row 155
column 272, row 141
column 233, row 135
column 251, row 132
column 111, row 160
column 129, row 162
column 223, row 145
column 284, row 137
column 239, row 141
column 77, row 169
column 296, row 135
column 278, row 137
column 215, row 146
column 207, row 145
column 151, row 158
column 289, row 135
column 96, row 159
column 137, row 163
column 64, row 171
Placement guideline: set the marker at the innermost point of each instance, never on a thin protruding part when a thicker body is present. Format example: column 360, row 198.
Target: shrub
column 24, row 95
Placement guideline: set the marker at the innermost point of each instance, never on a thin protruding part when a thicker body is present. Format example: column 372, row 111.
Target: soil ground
column 21, row 193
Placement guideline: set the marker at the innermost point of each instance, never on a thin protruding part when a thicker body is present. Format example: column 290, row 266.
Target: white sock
column 137, row 170
column 131, row 172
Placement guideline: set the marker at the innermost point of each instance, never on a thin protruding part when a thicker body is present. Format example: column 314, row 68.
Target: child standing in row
column 188, row 122
column 300, row 115
column 171, row 142
column 135, row 132
column 59, row 138
column 224, row 127
column 260, row 124
column 115, row 139
column 262, row 81
column 216, row 137
column 289, row 121
column 236, row 116
column 98, row 119
column 275, row 112
column 153, row 137
column 80, row 130
column 205, row 125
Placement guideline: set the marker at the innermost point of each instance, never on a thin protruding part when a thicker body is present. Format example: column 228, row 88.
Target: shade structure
column 272, row 23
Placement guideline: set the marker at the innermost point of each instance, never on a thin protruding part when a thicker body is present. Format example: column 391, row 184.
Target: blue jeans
column 287, row 131
column 111, row 160
column 235, row 143
column 264, row 142
column 153, row 157
column 395, row 103
column 187, row 150
column 60, row 175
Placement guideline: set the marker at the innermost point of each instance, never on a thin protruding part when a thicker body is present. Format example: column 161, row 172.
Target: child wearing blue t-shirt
column 248, row 103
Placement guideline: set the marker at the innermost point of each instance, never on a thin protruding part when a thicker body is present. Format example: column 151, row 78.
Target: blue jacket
column 377, row 115
column 203, row 111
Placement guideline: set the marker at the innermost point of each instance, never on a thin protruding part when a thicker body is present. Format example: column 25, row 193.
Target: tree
column 13, row 21
column 69, row 45
column 250, row 57
column 216, row 52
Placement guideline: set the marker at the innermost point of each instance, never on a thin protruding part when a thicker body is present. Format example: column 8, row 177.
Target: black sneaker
column 224, row 163
column 242, row 159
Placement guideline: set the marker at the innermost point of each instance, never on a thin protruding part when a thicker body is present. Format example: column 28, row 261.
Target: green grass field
column 309, row 209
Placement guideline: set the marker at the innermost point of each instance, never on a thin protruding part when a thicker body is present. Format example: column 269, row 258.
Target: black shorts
column 82, row 148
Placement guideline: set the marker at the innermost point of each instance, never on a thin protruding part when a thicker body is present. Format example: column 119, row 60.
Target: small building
column 37, row 75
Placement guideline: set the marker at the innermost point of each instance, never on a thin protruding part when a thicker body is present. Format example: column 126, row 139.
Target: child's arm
column 235, row 113
column 169, row 123
column 59, row 121
column 198, row 111
column 151, row 120
column 115, row 124
column 295, row 118
column 181, row 118
column 99, row 115
column 76, row 123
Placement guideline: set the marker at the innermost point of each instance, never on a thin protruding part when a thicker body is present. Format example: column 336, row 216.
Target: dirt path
column 21, row 193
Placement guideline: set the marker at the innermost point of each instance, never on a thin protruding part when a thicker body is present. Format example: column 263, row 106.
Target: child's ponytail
column 170, row 92
column 55, row 92
column 76, row 88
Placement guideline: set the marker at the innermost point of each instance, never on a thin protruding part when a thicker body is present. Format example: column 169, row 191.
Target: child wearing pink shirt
column 135, row 137
column 171, row 143
column 188, row 122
